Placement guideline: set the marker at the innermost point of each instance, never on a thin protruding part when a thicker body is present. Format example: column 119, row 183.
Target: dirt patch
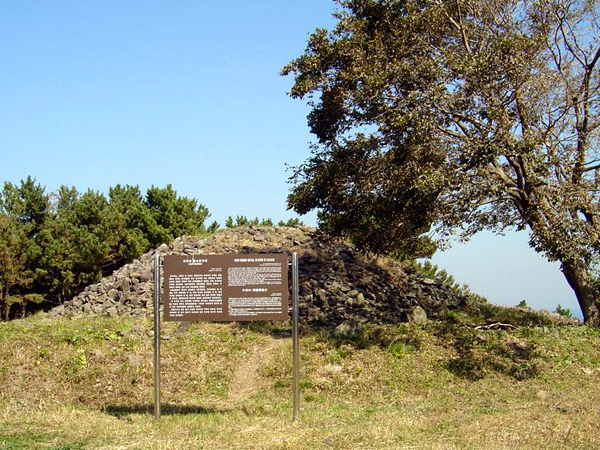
column 247, row 376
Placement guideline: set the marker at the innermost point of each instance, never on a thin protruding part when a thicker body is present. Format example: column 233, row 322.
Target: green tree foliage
column 565, row 312
column 462, row 114
column 293, row 222
column 432, row 270
column 129, row 227
column 74, row 243
column 15, row 275
column 27, row 203
column 23, row 211
column 243, row 221
column 52, row 246
column 174, row 216
column 213, row 227
column 240, row 221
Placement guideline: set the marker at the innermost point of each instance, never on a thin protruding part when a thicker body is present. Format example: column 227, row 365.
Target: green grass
column 67, row 384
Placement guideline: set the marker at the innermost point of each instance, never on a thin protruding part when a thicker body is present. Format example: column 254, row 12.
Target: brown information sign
column 235, row 287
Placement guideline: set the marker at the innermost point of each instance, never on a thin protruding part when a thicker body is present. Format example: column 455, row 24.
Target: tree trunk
column 4, row 306
column 578, row 276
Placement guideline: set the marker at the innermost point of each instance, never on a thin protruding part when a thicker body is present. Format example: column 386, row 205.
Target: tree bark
column 577, row 274
column 4, row 306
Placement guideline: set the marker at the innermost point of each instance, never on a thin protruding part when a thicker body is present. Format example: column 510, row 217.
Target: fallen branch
column 495, row 326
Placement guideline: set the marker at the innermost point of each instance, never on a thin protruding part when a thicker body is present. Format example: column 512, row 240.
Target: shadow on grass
column 488, row 313
column 277, row 330
column 479, row 353
column 167, row 409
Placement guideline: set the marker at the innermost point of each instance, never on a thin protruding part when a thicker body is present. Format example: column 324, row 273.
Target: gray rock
column 321, row 297
column 134, row 361
column 304, row 290
column 146, row 275
column 417, row 315
column 347, row 329
column 125, row 285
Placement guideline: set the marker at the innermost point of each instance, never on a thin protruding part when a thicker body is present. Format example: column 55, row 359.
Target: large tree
column 464, row 114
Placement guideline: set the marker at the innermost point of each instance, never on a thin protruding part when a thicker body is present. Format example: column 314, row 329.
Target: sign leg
column 157, row 336
column 295, row 337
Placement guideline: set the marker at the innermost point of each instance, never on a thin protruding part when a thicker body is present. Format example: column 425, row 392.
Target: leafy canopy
column 53, row 245
column 467, row 114
column 462, row 115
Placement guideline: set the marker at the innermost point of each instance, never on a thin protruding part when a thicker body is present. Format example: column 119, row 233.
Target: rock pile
column 337, row 284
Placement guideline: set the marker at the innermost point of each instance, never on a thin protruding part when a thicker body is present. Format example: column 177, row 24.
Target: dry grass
column 69, row 384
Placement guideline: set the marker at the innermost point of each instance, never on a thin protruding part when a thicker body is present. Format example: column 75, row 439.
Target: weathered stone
column 134, row 361
column 347, row 329
column 125, row 285
column 146, row 275
column 112, row 311
column 417, row 315
column 304, row 290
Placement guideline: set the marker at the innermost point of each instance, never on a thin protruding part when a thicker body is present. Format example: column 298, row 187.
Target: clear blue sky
column 95, row 93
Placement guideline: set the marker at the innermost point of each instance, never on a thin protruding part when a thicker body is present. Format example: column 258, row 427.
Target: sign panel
column 235, row 287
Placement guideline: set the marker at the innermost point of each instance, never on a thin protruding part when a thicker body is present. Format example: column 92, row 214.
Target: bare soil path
column 247, row 377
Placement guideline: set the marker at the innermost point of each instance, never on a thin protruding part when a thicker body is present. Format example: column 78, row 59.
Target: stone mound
column 337, row 283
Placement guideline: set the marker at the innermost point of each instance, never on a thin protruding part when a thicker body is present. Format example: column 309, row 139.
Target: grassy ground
column 87, row 383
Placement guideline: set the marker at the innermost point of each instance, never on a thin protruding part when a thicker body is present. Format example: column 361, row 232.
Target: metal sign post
column 237, row 287
column 157, row 336
column 295, row 337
